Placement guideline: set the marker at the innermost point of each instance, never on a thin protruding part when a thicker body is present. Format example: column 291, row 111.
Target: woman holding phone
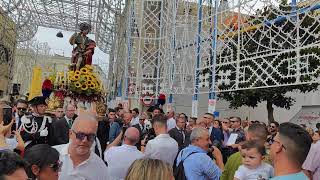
column 9, row 139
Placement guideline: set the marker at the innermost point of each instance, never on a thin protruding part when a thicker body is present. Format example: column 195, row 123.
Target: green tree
column 280, row 37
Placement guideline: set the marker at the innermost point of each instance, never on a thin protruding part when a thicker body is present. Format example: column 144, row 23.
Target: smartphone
column 6, row 115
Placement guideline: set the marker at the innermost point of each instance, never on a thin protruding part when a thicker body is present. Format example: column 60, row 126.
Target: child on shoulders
column 252, row 167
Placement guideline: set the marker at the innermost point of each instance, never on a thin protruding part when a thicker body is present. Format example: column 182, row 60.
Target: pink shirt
column 312, row 161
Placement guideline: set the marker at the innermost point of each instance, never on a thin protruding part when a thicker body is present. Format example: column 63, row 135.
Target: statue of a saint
column 83, row 47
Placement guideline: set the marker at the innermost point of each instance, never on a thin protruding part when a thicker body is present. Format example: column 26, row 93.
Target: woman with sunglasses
column 43, row 162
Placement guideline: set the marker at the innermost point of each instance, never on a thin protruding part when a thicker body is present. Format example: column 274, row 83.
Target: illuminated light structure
column 66, row 15
column 197, row 47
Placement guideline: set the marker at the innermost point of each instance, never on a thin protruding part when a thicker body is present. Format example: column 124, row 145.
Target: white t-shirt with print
column 263, row 172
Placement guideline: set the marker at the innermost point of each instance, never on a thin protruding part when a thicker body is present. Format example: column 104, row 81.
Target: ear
column 35, row 170
column 278, row 149
column 70, row 133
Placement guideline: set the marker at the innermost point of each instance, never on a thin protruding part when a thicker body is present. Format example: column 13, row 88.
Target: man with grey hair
column 78, row 160
column 120, row 158
column 198, row 165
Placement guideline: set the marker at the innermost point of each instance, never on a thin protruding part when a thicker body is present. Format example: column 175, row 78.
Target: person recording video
column 9, row 140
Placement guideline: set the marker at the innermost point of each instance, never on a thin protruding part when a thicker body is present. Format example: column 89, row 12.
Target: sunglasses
column 142, row 119
column 22, row 109
column 80, row 136
column 233, row 121
column 225, row 122
column 56, row 167
column 272, row 126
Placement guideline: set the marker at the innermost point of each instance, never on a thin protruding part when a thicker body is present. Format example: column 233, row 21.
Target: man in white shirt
column 78, row 161
column 162, row 147
column 135, row 118
column 171, row 122
column 120, row 158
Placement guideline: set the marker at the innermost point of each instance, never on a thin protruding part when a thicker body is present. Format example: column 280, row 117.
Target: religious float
column 79, row 85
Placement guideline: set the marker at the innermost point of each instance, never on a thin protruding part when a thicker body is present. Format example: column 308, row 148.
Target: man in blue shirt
column 199, row 166
column 114, row 124
column 289, row 150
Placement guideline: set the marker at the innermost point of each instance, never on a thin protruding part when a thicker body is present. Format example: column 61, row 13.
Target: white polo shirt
column 171, row 123
column 134, row 121
column 119, row 160
column 162, row 147
column 91, row 169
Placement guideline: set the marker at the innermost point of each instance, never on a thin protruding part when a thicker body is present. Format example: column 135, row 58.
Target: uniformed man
column 37, row 128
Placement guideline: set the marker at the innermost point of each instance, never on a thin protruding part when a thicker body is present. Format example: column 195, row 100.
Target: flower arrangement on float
column 80, row 85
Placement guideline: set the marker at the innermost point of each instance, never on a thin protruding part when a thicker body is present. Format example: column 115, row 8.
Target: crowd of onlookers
column 147, row 145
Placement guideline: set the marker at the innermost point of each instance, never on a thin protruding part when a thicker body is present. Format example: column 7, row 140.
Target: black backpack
column 178, row 171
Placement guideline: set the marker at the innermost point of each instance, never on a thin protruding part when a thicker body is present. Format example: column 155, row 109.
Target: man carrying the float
column 37, row 128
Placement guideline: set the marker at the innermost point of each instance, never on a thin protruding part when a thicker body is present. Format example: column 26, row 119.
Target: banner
column 194, row 108
column 211, row 106
column 36, row 83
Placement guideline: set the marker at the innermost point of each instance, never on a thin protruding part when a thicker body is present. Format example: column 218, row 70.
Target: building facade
column 8, row 42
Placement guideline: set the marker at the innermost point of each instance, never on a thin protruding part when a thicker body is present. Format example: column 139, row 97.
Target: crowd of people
column 134, row 145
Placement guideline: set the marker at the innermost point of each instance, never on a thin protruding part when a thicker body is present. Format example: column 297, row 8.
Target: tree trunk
column 270, row 112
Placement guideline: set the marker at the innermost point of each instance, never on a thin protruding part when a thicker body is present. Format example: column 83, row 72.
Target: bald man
column 120, row 158
column 78, row 160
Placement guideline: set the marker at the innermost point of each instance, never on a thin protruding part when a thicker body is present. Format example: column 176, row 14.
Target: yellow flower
column 77, row 84
column 94, row 75
column 76, row 77
column 98, row 83
column 89, row 82
column 86, row 77
column 92, row 86
column 70, row 73
column 90, row 68
column 84, row 70
column 77, row 72
column 84, row 87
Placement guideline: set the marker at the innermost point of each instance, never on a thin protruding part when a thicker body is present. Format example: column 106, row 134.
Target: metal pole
column 161, row 16
column 198, row 59
column 296, row 20
column 127, row 64
column 213, row 57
